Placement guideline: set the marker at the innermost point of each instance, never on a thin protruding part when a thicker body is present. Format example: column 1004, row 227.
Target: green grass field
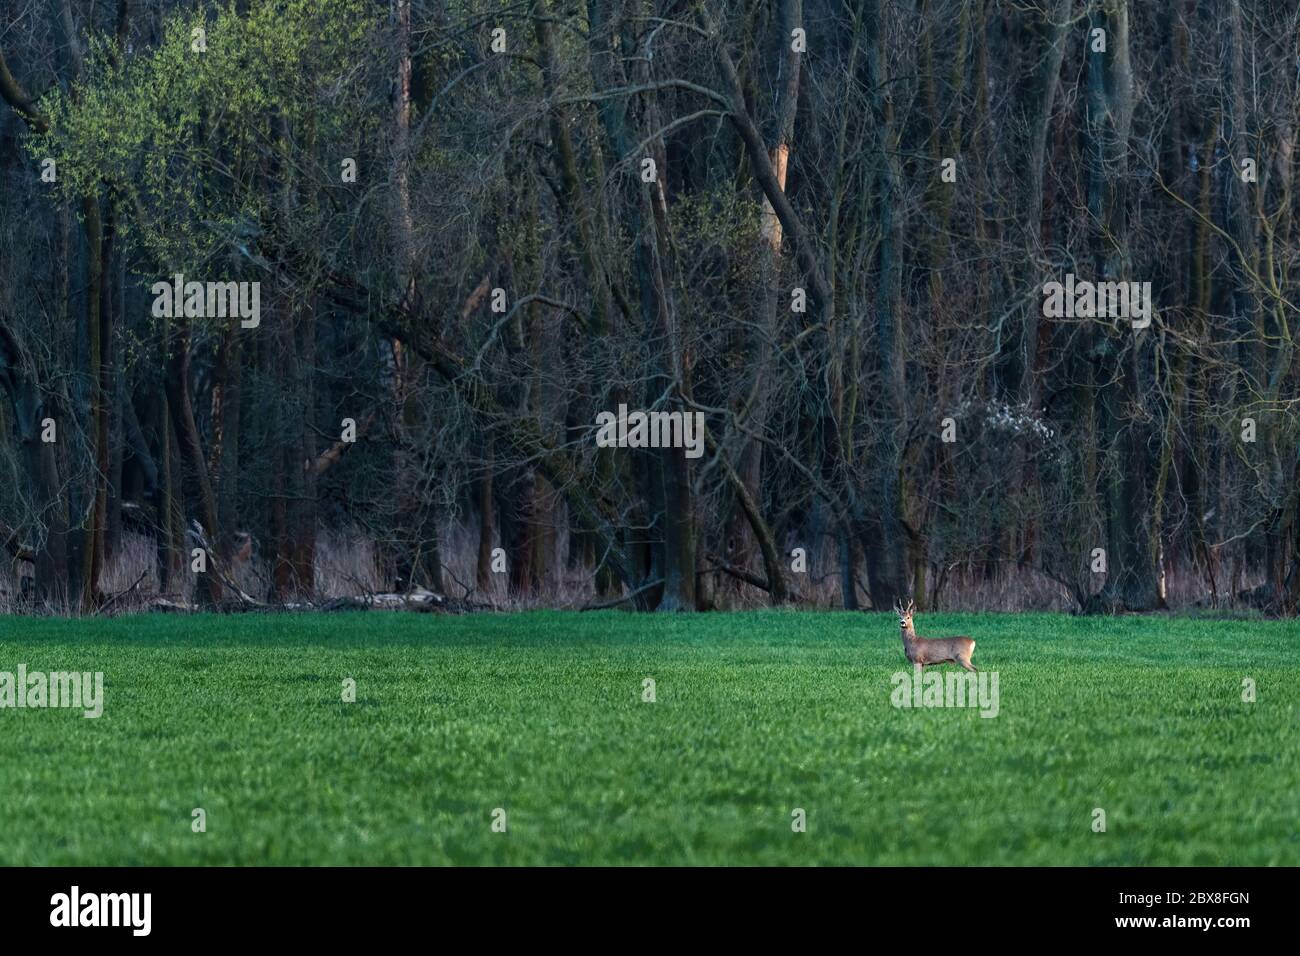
column 756, row 714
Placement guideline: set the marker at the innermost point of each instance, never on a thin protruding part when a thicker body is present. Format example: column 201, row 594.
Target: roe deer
column 927, row 651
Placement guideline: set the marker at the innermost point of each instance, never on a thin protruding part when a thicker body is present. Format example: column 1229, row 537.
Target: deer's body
column 927, row 651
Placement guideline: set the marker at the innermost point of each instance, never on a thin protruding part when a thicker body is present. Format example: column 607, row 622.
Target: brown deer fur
column 927, row 651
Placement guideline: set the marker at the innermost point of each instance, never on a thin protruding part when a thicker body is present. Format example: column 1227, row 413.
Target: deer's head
column 905, row 614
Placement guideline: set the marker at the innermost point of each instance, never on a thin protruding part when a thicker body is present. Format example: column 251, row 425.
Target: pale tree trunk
column 820, row 290
column 419, row 562
column 584, row 223
column 208, row 585
column 883, row 530
column 1028, row 355
column 748, row 532
column 1131, row 581
column 666, row 477
column 671, row 472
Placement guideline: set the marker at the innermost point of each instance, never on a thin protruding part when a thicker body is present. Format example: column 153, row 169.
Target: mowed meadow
column 756, row 714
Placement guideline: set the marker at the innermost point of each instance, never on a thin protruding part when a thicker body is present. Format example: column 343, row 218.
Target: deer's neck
column 909, row 634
